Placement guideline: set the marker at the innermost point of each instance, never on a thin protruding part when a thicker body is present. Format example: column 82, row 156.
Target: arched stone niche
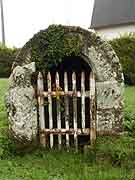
column 101, row 58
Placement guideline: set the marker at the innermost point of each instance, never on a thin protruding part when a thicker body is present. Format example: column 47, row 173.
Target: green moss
column 49, row 47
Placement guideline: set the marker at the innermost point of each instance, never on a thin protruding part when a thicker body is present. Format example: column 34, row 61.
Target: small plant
column 129, row 123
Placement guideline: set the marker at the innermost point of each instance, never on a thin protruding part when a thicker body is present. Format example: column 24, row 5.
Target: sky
column 24, row 18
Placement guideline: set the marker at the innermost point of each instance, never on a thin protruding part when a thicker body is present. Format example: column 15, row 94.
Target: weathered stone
column 109, row 94
column 105, row 119
column 21, row 105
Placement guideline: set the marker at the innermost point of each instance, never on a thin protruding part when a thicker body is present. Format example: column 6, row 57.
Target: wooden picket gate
column 69, row 99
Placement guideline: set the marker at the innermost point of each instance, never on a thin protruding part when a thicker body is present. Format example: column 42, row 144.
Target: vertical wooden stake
column 75, row 109
column 66, row 108
column 40, row 89
column 92, row 108
column 50, row 108
column 58, row 109
column 83, row 98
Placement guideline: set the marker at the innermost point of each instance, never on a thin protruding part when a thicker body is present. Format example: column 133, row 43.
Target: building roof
column 113, row 12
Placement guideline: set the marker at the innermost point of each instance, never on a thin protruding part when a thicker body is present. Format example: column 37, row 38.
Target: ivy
column 49, row 47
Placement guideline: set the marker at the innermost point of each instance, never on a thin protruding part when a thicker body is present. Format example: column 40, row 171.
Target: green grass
column 130, row 110
column 3, row 89
column 130, row 99
column 111, row 159
column 59, row 166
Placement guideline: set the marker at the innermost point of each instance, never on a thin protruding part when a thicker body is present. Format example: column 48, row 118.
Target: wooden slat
column 50, row 108
column 70, row 131
column 40, row 89
column 83, row 98
column 58, row 109
column 92, row 108
column 75, row 110
column 66, row 107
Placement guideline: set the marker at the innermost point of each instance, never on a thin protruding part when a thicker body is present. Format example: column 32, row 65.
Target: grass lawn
column 112, row 158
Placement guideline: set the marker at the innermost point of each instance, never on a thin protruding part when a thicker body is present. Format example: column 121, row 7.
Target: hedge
column 7, row 56
column 125, row 50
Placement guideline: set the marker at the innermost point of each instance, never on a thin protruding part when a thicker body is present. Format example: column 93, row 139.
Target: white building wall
column 114, row 32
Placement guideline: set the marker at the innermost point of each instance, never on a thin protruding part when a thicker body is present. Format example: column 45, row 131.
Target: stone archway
column 103, row 62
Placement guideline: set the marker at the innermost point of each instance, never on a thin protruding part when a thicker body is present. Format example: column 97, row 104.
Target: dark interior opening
column 70, row 64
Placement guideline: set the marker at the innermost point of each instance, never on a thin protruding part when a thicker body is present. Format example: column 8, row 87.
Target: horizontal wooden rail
column 69, row 93
column 70, row 131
